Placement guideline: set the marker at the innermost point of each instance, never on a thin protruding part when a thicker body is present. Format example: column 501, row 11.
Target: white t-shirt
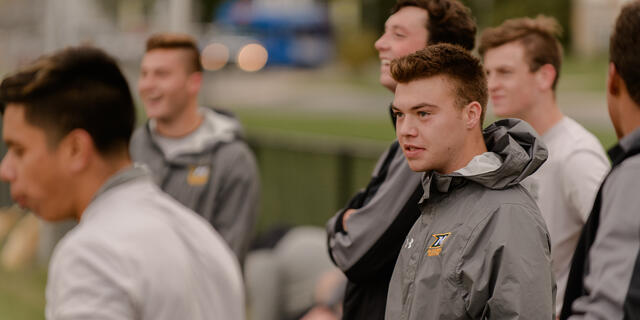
column 139, row 254
column 565, row 187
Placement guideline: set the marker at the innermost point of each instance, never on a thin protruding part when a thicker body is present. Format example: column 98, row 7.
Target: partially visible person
column 366, row 236
column 522, row 58
column 480, row 248
column 136, row 252
column 19, row 232
column 604, row 282
column 196, row 154
column 288, row 273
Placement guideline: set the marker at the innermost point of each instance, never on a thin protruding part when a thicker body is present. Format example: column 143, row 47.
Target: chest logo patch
column 198, row 175
column 436, row 247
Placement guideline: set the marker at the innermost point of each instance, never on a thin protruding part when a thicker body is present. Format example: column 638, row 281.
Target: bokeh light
column 214, row 56
column 252, row 57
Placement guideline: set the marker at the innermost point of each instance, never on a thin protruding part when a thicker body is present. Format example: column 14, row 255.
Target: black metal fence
column 305, row 179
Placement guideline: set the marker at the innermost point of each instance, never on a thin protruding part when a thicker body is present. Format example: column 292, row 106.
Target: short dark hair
column 449, row 21
column 177, row 41
column 75, row 88
column 538, row 37
column 457, row 64
column 624, row 48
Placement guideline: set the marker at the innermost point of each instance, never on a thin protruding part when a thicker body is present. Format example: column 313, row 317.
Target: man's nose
column 7, row 172
column 381, row 43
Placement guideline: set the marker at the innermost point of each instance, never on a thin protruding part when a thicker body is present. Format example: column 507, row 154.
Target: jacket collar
column 629, row 142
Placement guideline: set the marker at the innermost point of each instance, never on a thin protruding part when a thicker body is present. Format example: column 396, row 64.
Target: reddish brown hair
column 177, row 41
column 457, row 64
column 538, row 37
column 449, row 21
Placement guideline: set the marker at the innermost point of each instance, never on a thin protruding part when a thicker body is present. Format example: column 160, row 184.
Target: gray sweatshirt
column 211, row 171
column 480, row 249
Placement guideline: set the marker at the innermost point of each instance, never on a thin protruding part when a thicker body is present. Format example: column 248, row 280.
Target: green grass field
column 22, row 294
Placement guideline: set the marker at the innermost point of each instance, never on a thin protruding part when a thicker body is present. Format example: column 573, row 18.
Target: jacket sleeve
column 506, row 268
column 377, row 229
column 236, row 201
column 612, row 260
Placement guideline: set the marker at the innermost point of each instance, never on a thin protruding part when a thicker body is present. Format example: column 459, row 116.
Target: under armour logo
column 408, row 243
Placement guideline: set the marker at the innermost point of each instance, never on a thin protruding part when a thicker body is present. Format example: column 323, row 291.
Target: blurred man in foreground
column 366, row 236
column 480, row 248
column 604, row 282
column 136, row 253
column 196, row 154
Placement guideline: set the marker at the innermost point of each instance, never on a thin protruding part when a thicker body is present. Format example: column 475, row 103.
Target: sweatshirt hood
column 216, row 128
column 515, row 151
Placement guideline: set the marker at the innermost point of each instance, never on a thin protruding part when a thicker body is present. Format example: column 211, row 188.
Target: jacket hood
column 216, row 128
column 518, row 152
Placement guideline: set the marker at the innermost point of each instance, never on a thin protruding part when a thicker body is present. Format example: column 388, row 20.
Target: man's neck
column 543, row 116
column 95, row 177
column 182, row 124
column 474, row 146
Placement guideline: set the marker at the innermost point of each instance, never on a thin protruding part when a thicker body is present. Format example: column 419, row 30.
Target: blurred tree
column 375, row 13
column 208, row 9
column 491, row 13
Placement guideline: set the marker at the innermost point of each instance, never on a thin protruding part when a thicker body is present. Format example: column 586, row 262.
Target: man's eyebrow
column 418, row 106
column 424, row 105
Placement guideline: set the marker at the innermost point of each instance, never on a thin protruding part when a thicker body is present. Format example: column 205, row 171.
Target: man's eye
column 423, row 114
column 398, row 114
column 399, row 35
column 18, row 152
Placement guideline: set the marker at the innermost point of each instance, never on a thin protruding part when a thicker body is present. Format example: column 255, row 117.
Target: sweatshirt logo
column 198, row 175
column 436, row 247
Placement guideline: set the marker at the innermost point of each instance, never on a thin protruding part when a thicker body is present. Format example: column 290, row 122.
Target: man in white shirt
column 136, row 253
column 522, row 58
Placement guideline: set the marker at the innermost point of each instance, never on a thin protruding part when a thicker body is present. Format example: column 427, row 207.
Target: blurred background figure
column 288, row 273
column 196, row 155
column 522, row 59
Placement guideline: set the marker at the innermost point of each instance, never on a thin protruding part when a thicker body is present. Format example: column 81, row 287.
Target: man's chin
column 417, row 167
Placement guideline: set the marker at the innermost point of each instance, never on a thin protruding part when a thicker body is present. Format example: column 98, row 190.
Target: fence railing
column 306, row 178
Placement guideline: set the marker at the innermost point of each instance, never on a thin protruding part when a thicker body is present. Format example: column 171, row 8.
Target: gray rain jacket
column 216, row 176
column 480, row 249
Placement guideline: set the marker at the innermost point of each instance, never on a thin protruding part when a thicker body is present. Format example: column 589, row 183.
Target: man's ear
column 473, row 115
column 194, row 82
column 545, row 76
column 77, row 148
column 613, row 80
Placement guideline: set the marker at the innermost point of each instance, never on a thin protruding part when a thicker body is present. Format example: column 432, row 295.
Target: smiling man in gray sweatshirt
column 196, row 154
column 480, row 248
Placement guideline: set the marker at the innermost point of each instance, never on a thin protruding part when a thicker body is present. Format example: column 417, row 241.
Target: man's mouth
column 411, row 151
column 153, row 98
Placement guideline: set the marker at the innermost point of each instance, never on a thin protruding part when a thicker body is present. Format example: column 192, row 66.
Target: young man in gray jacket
column 197, row 155
column 480, row 248
column 604, row 281
column 366, row 236
column 136, row 253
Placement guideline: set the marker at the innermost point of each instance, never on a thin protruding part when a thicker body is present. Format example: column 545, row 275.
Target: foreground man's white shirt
column 139, row 254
